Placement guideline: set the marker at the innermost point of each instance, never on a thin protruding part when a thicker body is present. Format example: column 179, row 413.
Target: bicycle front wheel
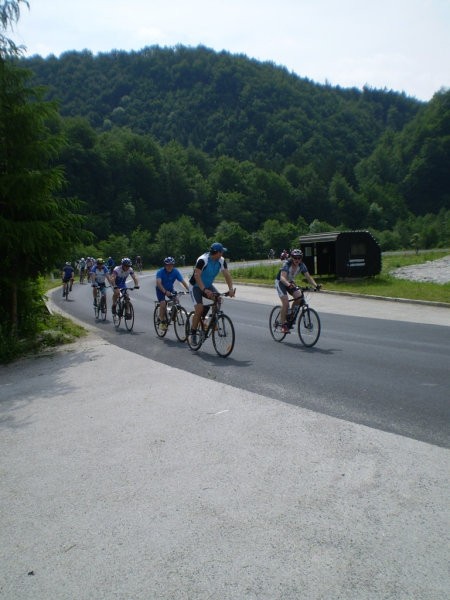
column 223, row 336
column 158, row 324
column 179, row 323
column 309, row 327
column 275, row 324
column 129, row 316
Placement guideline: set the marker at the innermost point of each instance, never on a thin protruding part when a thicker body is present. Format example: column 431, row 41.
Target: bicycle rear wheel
column 160, row 330
column 129, row 316
column 275, row 324
column 223, row 335
column 194, row 342
column 309, row 327
column 179, row 323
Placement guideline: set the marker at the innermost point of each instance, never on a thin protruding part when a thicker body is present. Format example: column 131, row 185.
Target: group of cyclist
column 201, row 283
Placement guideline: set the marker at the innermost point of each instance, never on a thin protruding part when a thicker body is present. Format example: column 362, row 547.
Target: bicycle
column 175, row 313
column 124, row 308
column 308, row 322
column 67, row 287
column 100, row 306
column 219, row 326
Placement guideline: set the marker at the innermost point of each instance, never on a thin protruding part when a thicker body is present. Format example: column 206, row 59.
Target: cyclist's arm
column 310, row 279
column 160, row 286
column 229, row 280
column 135, row 279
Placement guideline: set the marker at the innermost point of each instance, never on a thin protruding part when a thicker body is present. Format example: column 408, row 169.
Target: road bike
column 308, row 321
column 175, row 313
column 219, row 326
column 100, row 306
column 124, row 309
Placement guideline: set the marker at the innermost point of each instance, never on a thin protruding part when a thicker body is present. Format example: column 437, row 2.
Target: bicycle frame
column 220, row 327
column 175, row 313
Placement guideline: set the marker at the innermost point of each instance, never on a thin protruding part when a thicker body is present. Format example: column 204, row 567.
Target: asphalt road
column 386, row 374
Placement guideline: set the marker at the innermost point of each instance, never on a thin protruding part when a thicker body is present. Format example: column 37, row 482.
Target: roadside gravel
column 436, row 271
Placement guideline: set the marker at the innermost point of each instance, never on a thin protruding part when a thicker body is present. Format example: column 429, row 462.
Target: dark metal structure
column 341, row 253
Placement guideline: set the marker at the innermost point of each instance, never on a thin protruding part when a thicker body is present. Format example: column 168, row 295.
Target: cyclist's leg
column 282, row 294
column 115, row 297
column 197, row 298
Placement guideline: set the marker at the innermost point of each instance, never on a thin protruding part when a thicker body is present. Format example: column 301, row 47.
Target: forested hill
column 243, row 148
column 225, row 104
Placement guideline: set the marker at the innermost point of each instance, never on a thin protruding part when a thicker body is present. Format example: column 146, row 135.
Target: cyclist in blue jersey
column 165, row 279
column 67, row 273
column 120, row 275
column 206, row 269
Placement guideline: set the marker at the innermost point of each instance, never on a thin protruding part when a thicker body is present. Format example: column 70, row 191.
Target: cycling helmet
column 169, row 260
column 100, row 261
column 68, row 264
column 217, row 247
column 126, row 261
column 296, row 253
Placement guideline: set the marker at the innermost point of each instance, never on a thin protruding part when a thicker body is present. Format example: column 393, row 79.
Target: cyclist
column 67, row 275
column 120, row 275
column 110, row 263
column 206, row 269
column 284, row 283
column 99, row 274
column 138, row 263
column 89, row 265
column 82, row 269
column 165, row 279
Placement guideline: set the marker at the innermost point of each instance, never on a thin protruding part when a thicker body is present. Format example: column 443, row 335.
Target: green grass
column 383, row 284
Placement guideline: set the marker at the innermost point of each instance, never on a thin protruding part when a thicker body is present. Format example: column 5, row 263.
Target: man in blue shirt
column 165, row 279
column 206, row 269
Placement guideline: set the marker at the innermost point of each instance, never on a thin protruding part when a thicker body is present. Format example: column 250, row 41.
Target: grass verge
column 384, row 284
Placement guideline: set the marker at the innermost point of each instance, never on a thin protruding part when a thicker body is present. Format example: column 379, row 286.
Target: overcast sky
column 403, row 45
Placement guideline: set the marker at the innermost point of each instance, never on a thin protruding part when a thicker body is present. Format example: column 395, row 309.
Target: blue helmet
column 169, row 260
column 126, row 261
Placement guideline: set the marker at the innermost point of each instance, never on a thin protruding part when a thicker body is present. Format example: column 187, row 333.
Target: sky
column 400, row 45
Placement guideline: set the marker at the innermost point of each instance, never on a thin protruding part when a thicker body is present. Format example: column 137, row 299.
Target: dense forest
column 169, row 148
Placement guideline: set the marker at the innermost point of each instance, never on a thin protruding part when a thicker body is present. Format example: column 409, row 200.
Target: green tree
column 38, row 227
column 9, row 14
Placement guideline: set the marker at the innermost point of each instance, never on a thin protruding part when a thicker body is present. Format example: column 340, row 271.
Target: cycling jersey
column 291, row 270
column 209, row 268
column 121, row 276
column 67, row 273
column 99, row 274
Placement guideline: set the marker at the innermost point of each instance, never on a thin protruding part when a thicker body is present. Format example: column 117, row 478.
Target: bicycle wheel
column 66, row 291
column 117, row 316
column 129, row 316
column 194, row 343
column 309, row 327
column 103, row 307
column 275, row 324
column 160, row 330
column 223, row 336
column 97, row 308
column 179, row 323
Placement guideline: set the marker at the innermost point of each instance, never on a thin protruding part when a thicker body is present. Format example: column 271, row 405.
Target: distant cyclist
column 120, row 275
column 99, row 275
column 284, row 283
column 67, row 273
column 165, row 279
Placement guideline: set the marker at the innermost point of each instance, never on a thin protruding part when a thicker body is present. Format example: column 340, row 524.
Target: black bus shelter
column 341, row 253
